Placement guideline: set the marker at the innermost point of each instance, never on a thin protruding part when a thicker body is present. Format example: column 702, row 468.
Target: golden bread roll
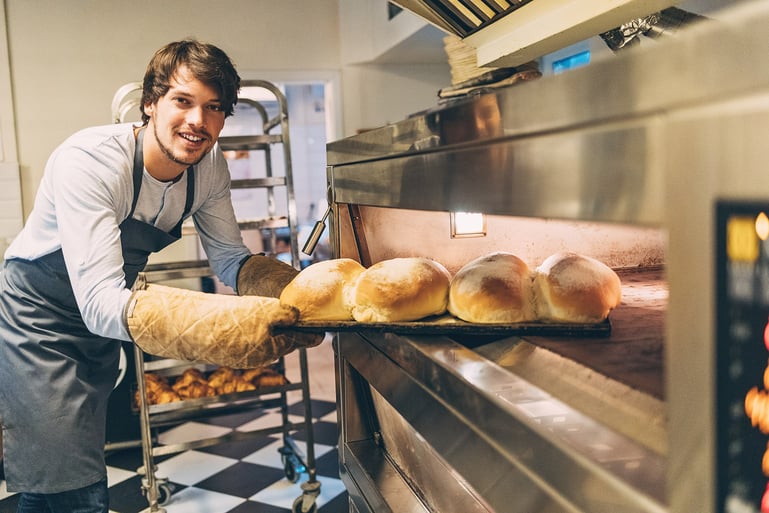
column 494, row 288
column 400, row 289
column 319, row 290
column 569, row 287
column 270, row 379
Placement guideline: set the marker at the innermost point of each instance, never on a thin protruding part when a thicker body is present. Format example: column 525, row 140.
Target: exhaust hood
column 508, row 33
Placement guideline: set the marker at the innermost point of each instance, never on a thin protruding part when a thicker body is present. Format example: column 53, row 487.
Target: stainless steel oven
column 626, row 160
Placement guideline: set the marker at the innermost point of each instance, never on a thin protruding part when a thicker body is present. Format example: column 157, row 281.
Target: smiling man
column 109, row 197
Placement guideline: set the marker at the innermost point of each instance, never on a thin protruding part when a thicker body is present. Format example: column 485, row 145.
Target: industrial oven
column 655, row 163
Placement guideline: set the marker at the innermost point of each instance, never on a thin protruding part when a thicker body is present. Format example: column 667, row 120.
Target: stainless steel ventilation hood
column 508, row 33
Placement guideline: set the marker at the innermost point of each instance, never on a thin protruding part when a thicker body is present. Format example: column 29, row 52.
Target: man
column 109, row 197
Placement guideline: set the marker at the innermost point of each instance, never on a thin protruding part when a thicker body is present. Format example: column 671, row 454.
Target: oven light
column 467, row 224
column 762, row 226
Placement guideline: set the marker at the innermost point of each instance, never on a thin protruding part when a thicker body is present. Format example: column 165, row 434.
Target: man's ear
column 149, row 109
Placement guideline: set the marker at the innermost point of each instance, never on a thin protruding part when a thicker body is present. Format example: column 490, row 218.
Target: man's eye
column 183, row 101
column 215, row 108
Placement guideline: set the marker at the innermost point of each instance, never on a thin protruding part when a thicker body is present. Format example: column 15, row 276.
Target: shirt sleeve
column 217, row 226
column 90, row 197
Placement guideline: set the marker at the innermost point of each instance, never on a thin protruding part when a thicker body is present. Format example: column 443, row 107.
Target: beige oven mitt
column 264, row 276
column 215, row 328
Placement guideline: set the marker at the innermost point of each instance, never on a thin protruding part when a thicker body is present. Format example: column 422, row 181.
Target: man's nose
column 196, row 116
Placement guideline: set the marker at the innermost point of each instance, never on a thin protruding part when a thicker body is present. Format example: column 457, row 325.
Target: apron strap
column 138, row 172
column 177, row 230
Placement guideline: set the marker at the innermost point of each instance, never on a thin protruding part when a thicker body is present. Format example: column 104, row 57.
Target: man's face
column 187, row 120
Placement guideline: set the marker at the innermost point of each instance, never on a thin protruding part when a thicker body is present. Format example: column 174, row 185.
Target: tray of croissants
column 496, row 293
column 194, row 383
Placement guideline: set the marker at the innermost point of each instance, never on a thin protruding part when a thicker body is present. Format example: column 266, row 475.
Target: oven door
column 429, row 424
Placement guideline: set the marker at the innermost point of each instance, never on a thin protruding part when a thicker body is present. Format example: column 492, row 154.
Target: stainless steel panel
column 515, row 446
column 605, row 175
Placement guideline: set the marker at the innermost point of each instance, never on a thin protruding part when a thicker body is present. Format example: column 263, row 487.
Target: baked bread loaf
column 319, row 290
column 574, row 288
column 494, row 288
column 400, row 289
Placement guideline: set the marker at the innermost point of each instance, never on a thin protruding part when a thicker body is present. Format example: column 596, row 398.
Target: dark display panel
column 742, row 356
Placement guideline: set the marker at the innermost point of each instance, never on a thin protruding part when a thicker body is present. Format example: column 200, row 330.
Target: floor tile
column 190, row 431
column 4, row 491
column 195, row 500
column 238, row 448
column 191, row 467
column 339, row 504
column 118, row 475
column 330, row 417
column 270, row 455
column 234, row 420
column 283, row 493
column 242, row 479
column 328, row 464
column 256, row 507
column 318, row 408
column 269, row 420
column 325, row 433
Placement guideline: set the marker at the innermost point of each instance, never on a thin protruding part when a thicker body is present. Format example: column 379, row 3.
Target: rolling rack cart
column 157, row 489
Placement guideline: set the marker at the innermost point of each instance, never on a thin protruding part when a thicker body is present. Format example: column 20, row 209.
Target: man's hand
column 264, row 276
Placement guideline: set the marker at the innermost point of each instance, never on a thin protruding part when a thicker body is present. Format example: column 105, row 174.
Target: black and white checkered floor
column 233, row 477
column 245, row 476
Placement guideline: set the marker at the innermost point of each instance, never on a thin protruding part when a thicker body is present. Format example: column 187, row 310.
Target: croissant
column 221, row 376
column 195, row 390
column 270, row 379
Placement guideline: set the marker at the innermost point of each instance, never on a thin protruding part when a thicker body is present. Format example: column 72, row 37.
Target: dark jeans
column 91, row 499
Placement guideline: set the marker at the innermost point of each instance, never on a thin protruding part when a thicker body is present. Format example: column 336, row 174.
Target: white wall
column 10, row 187
column 68, row 58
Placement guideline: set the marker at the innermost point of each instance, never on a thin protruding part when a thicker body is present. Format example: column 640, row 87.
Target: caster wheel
column 290, row 471
column 297, row 507
column 164, row 494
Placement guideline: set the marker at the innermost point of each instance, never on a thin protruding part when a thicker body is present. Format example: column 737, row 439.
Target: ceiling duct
column 508, row 33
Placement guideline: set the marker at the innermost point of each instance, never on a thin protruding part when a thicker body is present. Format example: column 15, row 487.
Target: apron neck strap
column 138, row 172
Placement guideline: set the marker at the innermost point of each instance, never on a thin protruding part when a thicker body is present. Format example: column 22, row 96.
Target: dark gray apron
column 56, row 376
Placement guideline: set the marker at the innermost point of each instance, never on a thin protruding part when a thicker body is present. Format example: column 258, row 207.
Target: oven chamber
column 623, row 160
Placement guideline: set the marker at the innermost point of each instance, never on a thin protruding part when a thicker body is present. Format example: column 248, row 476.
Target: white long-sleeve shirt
column 86, row 192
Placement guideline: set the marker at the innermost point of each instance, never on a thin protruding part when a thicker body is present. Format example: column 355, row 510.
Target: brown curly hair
column 206, row 62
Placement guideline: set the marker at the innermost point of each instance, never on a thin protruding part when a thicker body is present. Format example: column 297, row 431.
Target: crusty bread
column 494, row 288
column 319, row 290
column 401, row 289
column 569, row 287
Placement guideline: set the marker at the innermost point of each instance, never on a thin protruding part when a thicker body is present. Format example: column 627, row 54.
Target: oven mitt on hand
column 214, row 328
column 264, row 276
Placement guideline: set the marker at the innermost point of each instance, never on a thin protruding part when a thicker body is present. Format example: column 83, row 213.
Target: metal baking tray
column 449, row 325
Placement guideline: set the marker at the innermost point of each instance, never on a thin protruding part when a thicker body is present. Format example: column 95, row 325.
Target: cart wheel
column 164, row 494
column 290, row 471
column 297, row 507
